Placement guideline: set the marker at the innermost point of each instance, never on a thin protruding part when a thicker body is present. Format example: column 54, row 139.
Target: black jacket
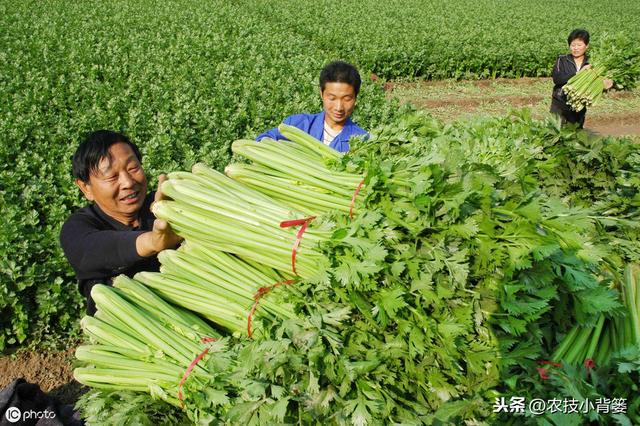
column 99, row 248
column 563, row 70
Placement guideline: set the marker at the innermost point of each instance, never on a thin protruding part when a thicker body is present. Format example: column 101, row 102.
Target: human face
column 578, row 48
column 118, row 186
column 338, row 101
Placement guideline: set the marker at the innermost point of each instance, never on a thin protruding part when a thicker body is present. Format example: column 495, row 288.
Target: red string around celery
column 297, row 222
column 353, row 200
column 589, row 364
column 543, row 371
column 195, row 361
column 261, row 292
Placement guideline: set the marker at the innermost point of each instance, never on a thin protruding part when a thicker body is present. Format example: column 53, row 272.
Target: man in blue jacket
column 339, row 87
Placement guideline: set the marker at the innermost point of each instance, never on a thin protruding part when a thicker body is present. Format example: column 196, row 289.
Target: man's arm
column 292, row 120
column 94, row 252
column 159, row 238
column 272, row 134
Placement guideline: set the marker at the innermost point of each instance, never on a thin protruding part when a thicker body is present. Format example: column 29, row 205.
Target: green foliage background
column 184, row 79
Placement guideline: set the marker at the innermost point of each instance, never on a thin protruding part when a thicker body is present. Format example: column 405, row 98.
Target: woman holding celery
column 566, row 67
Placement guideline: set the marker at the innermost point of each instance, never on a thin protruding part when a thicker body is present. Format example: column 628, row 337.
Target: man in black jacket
column 117, row 233
column 566, row 67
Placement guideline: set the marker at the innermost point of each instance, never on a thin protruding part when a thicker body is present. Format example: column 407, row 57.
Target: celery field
column 185, row 79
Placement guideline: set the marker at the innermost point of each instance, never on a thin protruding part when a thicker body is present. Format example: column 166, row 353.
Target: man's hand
column 608, row 83
column 586, row 67
column 161, row 236
column 159, row 195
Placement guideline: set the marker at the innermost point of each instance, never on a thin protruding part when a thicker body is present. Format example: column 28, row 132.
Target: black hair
column 578, row 33
column 340, row 72
column 94, row 148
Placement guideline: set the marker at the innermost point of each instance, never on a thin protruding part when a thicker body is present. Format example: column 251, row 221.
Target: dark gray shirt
column 99, row 248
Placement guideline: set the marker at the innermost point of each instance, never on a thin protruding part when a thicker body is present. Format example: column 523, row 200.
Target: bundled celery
column 615, row 57
column 141, row 343
column 216, row 285
column 452, row 279
column 585, row 88
column 409, row 271
column 299, row 173
column 609, row 335
column 293, row 174
column 219, row 213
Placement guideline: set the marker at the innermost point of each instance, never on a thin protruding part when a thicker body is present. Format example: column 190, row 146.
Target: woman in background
column 566, row 67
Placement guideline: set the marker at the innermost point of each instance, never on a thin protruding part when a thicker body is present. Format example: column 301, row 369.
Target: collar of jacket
column 573, row 61
column 317, row 128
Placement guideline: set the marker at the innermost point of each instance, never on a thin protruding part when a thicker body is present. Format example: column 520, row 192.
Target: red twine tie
column 296, row 222
column 353, row 200
column 589, row 364
column 543, row 371
column 261, row 292
column 192, row 366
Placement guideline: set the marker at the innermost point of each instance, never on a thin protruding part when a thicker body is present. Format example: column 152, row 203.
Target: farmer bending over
column 117, row 233
column 339, row 87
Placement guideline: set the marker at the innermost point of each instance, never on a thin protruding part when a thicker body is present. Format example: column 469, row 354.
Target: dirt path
column 623, row 124
column 618, row 114
column 52, row 371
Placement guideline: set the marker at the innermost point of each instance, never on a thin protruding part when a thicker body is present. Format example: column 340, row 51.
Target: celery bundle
column 303, row 183
column 146, row 336
column 218, row 213
column 585, row 88
column 140, row 342
column 609, row 335
column 433, row 294
column 295, row 172
column 216, row 285
column 302, row 173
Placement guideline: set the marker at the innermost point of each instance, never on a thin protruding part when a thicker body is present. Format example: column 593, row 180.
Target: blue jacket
column 313, row 124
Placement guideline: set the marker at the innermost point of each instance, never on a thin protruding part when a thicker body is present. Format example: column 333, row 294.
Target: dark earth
column 53, row 371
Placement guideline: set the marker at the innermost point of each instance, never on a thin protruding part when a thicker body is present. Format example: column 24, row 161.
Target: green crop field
column 183, row 80
column 460, row 39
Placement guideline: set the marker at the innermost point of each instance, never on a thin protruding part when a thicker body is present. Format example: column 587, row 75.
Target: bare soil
column 471, row 103
column 450, row 101
column 52, row 371
column 615, row 124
